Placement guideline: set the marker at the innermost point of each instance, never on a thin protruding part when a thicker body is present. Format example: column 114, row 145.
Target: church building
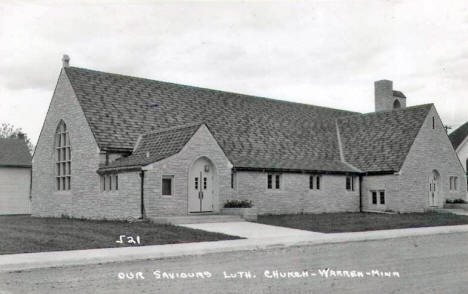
column 114, row 146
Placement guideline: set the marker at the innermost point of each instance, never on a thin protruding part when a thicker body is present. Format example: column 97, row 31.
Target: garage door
column 14, row 190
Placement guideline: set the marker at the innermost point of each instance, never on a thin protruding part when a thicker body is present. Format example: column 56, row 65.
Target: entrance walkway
column 252, row 230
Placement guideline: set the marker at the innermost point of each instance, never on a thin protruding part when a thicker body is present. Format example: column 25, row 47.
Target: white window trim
column 314, row 180
column 273, row 182
column 453, row 184
column 378, row 205
column 172, row 177
column 104, row 183
column 353, row 184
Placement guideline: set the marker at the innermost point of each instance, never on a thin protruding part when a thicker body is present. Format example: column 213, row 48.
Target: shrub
column 238, row 204
column 455, row 201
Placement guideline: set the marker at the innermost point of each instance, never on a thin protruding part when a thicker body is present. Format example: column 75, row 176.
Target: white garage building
column 15, row 177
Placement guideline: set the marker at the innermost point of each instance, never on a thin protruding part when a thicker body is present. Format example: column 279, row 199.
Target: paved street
column 425, row 264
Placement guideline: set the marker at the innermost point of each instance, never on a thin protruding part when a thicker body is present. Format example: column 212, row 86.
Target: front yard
column 23, row 234
column 355, row 221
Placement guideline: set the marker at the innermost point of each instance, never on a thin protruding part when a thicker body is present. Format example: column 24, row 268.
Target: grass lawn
column 22, row 234
column 355, row 221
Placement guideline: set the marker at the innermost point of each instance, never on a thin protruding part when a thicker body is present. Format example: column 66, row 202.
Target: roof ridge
column 210, row 89
column 178, row 127
column 387, row 111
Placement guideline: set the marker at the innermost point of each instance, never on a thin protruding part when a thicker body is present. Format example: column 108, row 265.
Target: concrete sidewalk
column 14, row 262
column 251, row 230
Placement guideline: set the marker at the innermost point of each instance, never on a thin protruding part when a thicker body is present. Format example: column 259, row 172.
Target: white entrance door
column 433, row 189
column 200, row 192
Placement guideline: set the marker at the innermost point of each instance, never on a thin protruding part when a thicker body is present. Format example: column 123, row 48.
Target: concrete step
column 197, row 219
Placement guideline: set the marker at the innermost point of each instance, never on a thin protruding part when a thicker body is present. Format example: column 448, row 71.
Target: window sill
column 68, row 192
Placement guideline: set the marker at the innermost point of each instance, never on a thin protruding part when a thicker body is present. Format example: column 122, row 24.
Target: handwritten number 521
column 124, row 239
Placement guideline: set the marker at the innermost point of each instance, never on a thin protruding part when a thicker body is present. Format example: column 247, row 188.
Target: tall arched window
column 396, row 104
column 62, row 158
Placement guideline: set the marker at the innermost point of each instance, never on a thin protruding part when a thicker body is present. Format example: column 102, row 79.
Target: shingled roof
column 459, row 135
column 254, row 132
column 380, row 141
column 155, row 146
column 14, row 153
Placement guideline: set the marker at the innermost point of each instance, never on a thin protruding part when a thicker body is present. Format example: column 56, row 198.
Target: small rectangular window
column 270, row 182
column 374, row 197
column 453, row 183
column 273, row 181
column 350, row 183
column 116, row 182
column 204, row 183
column 196, row 183
column 233, row 180
column 382, row 197
column 167, row 185
column 314, row 182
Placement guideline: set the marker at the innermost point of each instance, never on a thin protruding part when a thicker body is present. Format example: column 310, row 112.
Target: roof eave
column 104, row 170
column 293, row 170
column 16, row 165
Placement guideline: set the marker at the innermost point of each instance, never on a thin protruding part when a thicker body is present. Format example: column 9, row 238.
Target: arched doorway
column 202, row 181
column 396, row 104
column 434, row 186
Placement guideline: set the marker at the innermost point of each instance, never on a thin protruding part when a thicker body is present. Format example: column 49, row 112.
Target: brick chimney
column 66, row 60
column 386, row 98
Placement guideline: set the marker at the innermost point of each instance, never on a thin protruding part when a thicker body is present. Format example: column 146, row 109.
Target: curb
column 28, row 261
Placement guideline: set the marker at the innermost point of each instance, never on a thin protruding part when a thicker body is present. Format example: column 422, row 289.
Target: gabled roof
column 254, row 132
column 14, row 153
column 155, row 146
column 459, row 135
column 398, row 94
column 380, row 141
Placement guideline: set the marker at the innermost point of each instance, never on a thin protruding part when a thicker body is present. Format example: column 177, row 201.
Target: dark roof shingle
column 457, row 136
column 14, row 153
column 155, row 146
column 380, row 141
column 252, row 131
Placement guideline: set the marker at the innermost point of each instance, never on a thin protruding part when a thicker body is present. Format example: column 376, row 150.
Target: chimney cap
column 66, row 60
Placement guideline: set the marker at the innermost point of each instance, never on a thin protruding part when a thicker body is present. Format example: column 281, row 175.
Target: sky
column 326, row 53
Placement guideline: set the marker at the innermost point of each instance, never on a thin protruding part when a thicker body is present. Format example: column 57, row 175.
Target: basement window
column 167, row 185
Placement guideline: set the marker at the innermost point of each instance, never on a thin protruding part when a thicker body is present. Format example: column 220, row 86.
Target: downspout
column 142, row 176
column 360, row 193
